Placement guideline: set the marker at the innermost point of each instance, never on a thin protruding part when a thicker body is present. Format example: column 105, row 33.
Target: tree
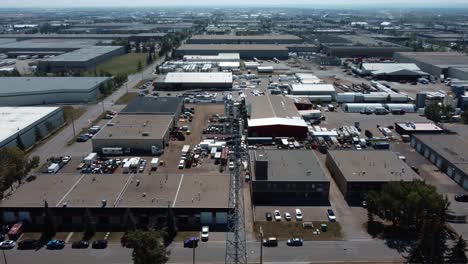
column 15, row 165
column 437, row 111
column 171, row 226
column 48, row 223
column 457, row 254
column 464, row 116
column 89, row 225
column 148, row 247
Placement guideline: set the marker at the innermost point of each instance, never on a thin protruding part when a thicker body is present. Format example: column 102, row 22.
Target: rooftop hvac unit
column 145, row 134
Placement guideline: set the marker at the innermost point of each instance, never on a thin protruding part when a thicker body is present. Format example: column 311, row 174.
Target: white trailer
column 90, row 159
column 126, row 166
column 185, row 150
column 154, row 163
column 53, row 168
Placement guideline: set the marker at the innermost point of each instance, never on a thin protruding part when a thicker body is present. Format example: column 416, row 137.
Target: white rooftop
column 15, row 119
column 312, row 88
column 382, row 68
column 198, row 77
column 219, row 57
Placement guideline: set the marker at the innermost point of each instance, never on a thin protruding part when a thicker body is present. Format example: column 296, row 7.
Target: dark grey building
column 449, row 153
column 251, row 39
column 155, row 106
column 434, row 63
column 288, row 177
column 263, row 51
column 356, row 172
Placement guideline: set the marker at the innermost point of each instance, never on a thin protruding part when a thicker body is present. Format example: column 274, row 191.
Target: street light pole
column 73, row 125
column 193, row 257
column 4, row 256
column 261, row 245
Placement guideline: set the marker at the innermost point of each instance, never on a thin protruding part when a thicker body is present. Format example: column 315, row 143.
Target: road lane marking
column 125, row 187
column 178, row 189
column 69, row 191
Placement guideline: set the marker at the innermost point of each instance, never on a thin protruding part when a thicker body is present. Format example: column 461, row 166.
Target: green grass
column 126, row 98
column 284, row 230
column 125, row 64
column 182, row 235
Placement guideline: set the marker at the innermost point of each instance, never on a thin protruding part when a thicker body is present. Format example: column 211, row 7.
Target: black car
column 100, row 244
column 461, row 197
column 28, row 244
column 268, row 216
column 80, row 244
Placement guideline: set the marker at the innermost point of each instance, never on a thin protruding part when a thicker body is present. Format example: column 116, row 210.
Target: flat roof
column 84, row 54
column 436, row 58
column 151, row 105
column 78, row 36
column 220, row 56
column 14, row 119
column 233, row 47
column 453, row 148
column 313, row 88
column 415, row 126
column 136, row 127
column 38, row 85
column 250, row 37
column 120, row 190
column 291, row 165
column 198, row 77
column 273, row 110
column 49, row 44
column 371, row 166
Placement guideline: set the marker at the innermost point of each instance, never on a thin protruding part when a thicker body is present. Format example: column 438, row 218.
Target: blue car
column 55, row 244
column 82, row 138
column 191, row 242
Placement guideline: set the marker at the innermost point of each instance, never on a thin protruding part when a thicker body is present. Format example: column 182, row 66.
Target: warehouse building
column 222, row 57
column 80, row 60
column 460, row 73
column 434, row 63
column 242, row 40
column 24, row 126
column 274, row 116
column 290, row 177
column 154, row 106
column 327, row 91
column 134, row 134
column 132, row 37
column 357, row 172
column 246, row 52
column 195, row 80
column 52, row 46
column 392, row 71
column 449, row 153
column 19, row 91
column 410, row 128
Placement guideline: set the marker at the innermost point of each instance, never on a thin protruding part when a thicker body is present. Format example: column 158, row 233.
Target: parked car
column 270, row 242
column 331, row 215
column 82, row 138
column 295, row 242
column 80, row 244
column 299, row 215
column 28, row 244
column 205, row 233
column 191, row 242
column 268, row 216
column 287, row 216
column 55, row 244
column 7, row 244
column 100, row 244
column 461, row 197
column 231, row 165
column 66, row 159
column 277, row 215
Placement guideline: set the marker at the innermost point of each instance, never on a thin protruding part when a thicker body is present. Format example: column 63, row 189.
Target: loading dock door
column 426, row 153
column 433, row 158
column 465, row 184
column 221, row 218
column 457, row 177
column 418, row 147
column 206, row 218
column 450, row 172
column 439, row 162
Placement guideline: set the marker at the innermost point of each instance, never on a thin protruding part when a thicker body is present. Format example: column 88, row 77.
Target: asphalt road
column 55, row 146
column 213, row 252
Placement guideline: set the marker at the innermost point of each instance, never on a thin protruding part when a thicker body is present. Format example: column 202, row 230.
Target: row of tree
column 417, row 208
column 15, row 166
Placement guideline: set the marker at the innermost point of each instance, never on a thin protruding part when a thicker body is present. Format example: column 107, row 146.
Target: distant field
column 125, row 64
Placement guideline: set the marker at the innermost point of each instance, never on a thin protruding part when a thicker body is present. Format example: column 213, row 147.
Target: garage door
column 450, row 172
column 413, row 142
column 9, row 217
column 457, row 177
column 439, row 163
column 221, row 218
column 206, row 218
column 433, row 158
column 465, row 184
column 24, row 216
column 418, row 147
column 426, row 153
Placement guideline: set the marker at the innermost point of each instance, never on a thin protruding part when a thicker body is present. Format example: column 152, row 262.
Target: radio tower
column 236, row 249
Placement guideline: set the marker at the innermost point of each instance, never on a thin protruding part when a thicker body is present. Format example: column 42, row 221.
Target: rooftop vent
column 145, row 134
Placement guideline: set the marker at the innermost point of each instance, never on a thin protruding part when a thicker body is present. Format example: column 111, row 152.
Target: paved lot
column 311, row 213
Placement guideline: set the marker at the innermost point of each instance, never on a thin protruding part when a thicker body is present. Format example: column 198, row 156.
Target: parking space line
column 125, row 187
column 178, row 189
column 59, row 204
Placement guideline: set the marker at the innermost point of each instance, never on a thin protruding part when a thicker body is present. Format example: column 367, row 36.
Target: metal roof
column 251, row 37
column 392, row 68
column 273, row 110
column 84, row 54
column 198, row 77
column 291, row 165
column 436, row 58
column 37, row 85
column 232, row 47
column 150, row 105
column 49, row 44
column 313, row 88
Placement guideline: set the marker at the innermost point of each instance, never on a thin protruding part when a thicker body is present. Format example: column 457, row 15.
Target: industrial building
column 263, row 51
column 434, row 63
column 288, row 177
column 45, row 46
column 154, row 106
column 410, row 128
column 132, row 37
column 449, row 153
column 195, row 80
column 81, row 59
column 391, row 71
column 250, row 39
column 356, row 172
column 325, row 92
column 24, row 126
column 460, row 73
column 18, row 91
column 134, row 133
column 274, row 116
column 222, row 57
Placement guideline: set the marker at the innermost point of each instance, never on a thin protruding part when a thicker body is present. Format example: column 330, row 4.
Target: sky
column 266, row 3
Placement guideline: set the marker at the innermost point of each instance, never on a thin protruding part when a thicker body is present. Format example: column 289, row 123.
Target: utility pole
column 193, row 257
column 74, row 132
column 4, row 256
column 261, row 245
